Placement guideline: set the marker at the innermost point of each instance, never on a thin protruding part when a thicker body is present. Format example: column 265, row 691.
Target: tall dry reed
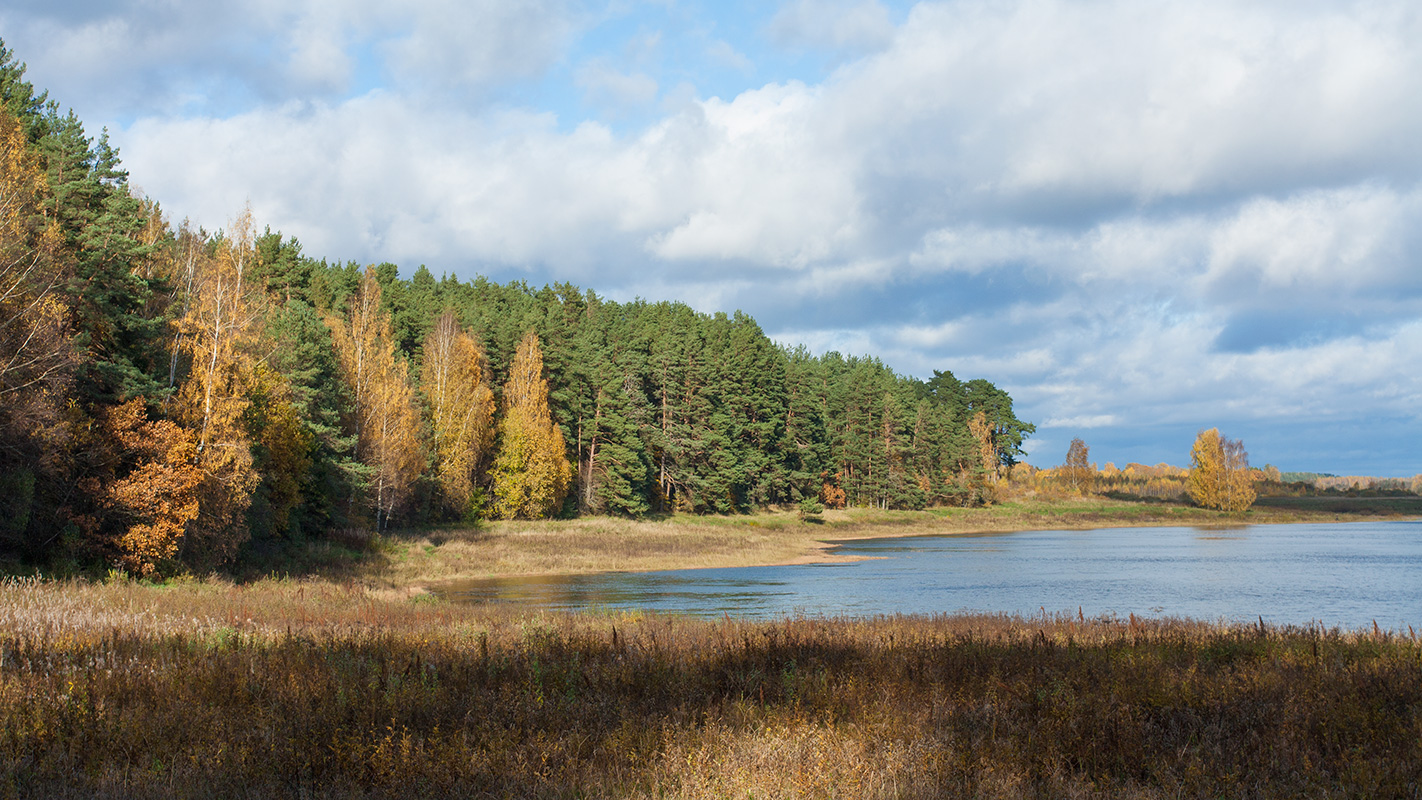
column 318, row 690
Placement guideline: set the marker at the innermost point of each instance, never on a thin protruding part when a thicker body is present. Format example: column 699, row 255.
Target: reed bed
column 314, row 689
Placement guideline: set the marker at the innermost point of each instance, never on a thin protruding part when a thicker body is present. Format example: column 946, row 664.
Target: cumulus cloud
column 1129, row 215
column 609, row 88
column 469, row 45
column 848, row 26
column 113, row 60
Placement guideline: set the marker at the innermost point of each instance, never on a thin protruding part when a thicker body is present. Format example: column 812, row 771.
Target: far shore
column 413, row 560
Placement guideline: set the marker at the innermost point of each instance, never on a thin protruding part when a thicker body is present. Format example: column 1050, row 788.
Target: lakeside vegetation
column 426, row 557
column 313, row 689
column 182, row 402
column 178, row 398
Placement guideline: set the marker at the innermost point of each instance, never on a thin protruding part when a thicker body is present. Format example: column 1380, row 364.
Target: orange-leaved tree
column 218, row 334
column 531, row 472
column 1219, row 473
column 461, row 409
column 385, row 421
column 155, row 495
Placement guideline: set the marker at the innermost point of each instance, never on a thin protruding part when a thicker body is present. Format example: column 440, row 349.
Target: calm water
column 1345, row 575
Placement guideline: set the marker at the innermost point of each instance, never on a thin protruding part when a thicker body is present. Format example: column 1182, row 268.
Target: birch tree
column 384, row 420
column 218, row 333
column 531, row 472
column 1077, row 473
column 1219, row 473
column 461, row 408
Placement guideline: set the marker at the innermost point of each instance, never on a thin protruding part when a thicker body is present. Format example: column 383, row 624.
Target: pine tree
column 102, row 227
column 531, row 471
column 614, row 422
column 303, row 351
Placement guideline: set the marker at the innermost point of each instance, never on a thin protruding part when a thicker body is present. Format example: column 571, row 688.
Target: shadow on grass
column 1408, row 505
column 586, row 706
column 351, row 554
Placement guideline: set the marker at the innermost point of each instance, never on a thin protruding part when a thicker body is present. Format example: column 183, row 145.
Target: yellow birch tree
column 461, row 408
column 531, row 472
column 384, row 417
column 1219, row 473
column 34, row 345
column 218, row 332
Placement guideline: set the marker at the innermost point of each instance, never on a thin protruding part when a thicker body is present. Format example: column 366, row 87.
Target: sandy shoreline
column 606, row 545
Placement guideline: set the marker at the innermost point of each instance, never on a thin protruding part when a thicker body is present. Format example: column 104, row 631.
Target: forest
column 172, row 394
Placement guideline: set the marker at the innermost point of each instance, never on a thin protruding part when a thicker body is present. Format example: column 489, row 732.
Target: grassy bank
column 312, row 689
column 601, row 544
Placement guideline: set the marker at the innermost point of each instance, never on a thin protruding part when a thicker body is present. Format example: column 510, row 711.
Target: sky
column 1141, row 219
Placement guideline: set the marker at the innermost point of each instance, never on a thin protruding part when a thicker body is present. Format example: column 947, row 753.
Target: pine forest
column 171, row 395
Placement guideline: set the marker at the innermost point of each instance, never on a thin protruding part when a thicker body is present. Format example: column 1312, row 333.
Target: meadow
column 349, row 680
column 309, row 688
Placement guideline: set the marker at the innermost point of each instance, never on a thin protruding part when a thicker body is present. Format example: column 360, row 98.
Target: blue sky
column 1141, row 219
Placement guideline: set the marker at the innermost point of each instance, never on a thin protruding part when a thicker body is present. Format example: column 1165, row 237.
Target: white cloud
column 470, row 45
column 1096, row 421
column 1127, row 214
column 119, row 59
column 851, row 26
column 725, row 54
column 608, row 88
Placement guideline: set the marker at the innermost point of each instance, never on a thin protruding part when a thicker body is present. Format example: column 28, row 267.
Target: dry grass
column 312, row 689
column 604, row 544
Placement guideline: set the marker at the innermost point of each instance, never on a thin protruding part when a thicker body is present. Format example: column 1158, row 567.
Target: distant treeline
column 1166, row 482
column 172, row 393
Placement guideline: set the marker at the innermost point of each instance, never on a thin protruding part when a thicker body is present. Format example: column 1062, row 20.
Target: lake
column 1347, row 575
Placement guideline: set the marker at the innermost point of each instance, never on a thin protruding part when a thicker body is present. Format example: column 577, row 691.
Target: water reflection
column 1345, row 575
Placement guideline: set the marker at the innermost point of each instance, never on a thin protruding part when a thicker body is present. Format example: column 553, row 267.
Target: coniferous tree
column 614, row 425
column 101, row 226
column 302, row 350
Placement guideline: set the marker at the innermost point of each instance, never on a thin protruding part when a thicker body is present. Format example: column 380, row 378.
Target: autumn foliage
column 461, row 409
column 156, row 494
column 531, row 473
column 386, row 422
column 1077, row 473
column 307, row 397
column 1219, row 473
column 218, row 336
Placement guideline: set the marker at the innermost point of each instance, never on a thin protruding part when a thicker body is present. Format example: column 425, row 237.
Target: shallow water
column 1347, row 575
